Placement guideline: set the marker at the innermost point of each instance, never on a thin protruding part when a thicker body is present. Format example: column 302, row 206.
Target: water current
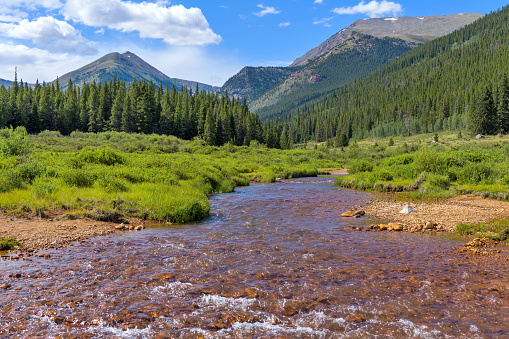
column 272, row 261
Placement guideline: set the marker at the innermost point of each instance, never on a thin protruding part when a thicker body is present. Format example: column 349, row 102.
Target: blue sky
column 201, row 40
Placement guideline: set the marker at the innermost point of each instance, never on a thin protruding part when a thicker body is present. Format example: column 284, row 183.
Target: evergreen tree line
column 137, row 107
column 457, row 82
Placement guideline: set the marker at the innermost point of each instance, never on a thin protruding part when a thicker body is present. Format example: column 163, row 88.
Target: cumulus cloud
column 285, row 24
column 318, row 1
column 175, row 24
column 48, row 32
column 35, row 63
column 373, row 9
column 266, row 10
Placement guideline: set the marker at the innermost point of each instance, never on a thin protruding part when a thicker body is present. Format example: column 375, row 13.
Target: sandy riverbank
column 447, row 214
column 40, row 233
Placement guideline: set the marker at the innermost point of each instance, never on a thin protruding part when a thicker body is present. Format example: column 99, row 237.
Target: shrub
column 361, row 166
column 383, row 175
column 44, row 186
column 438, row 181
column 475, row 173
column 28, row 171
column 101, row 155
column 112, row 185
column 78, row 178
column 8, row 244
column 15, row 142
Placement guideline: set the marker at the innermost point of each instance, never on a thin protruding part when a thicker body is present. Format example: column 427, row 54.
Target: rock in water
column 359, row 213
column 348, row 214
column 407, row 209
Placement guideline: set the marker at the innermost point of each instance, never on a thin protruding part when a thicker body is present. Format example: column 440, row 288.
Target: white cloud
column 32, row 4
column 324, row 21
column 50, row 33
column 373, row 9
column 176, row 25
column 318, row 1
column 285, row 24
column 11, row 14
column 35, row 63
column 266, row 10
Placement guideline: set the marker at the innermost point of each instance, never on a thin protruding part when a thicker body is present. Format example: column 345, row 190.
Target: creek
column 272, row 261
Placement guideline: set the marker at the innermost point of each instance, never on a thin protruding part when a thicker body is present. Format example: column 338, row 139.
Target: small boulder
column 120, row 227
column 430, row 225
column 359, row 213
column 349, row 214
column 407, row 209
column 479, row 136
column 396, row 227
column 139, row 228
column 383, row 227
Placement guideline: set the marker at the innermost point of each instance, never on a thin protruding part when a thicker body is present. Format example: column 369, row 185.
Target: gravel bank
column 447, row 214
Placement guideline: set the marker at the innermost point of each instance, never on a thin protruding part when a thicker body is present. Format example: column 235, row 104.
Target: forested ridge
column 446, row 84
column 137, row 107
column 355, row 57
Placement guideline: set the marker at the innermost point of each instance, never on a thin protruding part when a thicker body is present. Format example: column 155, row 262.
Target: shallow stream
column 272, row 261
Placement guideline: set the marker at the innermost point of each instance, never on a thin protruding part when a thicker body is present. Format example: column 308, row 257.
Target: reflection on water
column 272, row 261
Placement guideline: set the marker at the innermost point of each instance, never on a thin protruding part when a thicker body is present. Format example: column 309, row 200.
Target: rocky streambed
column 272, row 261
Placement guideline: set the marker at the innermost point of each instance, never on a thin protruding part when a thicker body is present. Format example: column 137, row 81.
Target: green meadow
column 112, row 176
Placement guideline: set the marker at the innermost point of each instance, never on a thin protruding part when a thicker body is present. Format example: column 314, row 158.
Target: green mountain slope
column 348, row 61
column 434, row 87
column 125, row 67
column 414, row 30
column 345, row 57
column 251, row 82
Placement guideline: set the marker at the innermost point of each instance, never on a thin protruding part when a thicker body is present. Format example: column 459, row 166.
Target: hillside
column 343, row 58
column 5, row 83
column 251, row 82
column 125, row 67
column 414, row 30
column 348, row 61
column 436, row 86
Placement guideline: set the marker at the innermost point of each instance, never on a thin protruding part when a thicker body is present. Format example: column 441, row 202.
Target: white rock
column 407, row 209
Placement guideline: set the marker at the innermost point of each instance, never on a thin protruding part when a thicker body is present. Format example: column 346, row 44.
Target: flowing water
column 272, row 261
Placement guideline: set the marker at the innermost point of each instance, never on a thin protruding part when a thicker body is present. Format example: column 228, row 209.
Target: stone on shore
column 407, row 209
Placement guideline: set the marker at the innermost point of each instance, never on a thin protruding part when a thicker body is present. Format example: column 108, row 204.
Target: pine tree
column 503, row 105
column 483, row 118
column 209, row 134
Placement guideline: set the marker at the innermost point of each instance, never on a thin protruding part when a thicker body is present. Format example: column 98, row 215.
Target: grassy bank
column 112, row 176
column 419, row 168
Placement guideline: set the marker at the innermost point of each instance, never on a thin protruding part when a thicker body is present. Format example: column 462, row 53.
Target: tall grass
column 110, row 176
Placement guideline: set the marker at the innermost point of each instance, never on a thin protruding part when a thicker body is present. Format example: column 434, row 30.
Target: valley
column 360, row 191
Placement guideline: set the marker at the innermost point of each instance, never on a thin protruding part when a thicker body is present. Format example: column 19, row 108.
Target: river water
column 272, row 261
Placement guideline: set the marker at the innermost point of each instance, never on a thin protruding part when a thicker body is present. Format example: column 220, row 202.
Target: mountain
column 125, row 67
column 414, row 30
column 5, row 83
column 251, row 82
column 348, row 61
column 345, row 57
column 443, row 85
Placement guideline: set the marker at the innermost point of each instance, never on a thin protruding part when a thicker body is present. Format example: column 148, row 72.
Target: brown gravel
column 35, row 233
column 447, row 214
